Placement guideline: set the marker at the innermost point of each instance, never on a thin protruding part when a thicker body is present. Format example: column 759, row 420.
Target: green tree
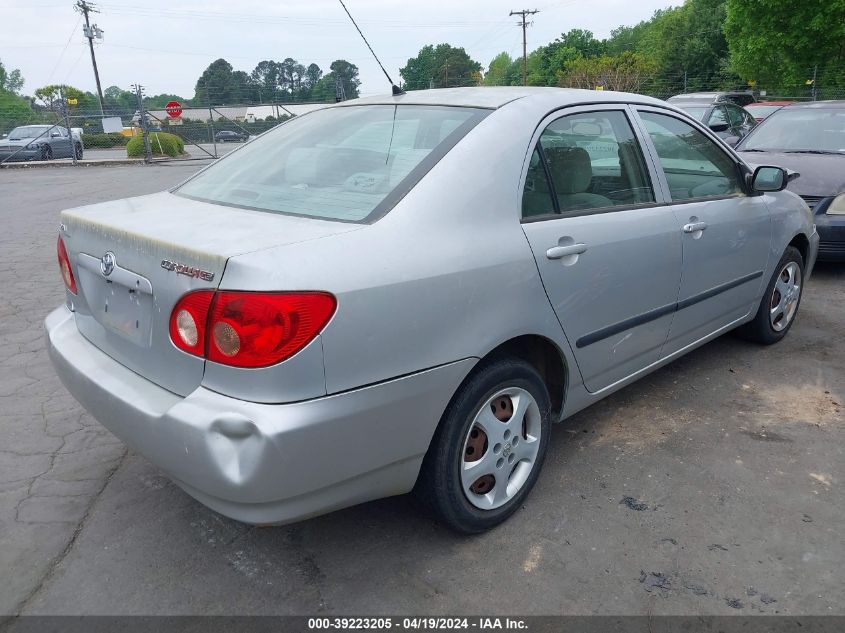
column 220, row 84
column 627, row 72
column 583, row 41
column 348, row 75
column 688, row 46
column 441, row 66
column 10, row 80
column 51, row 96
column 501, row 71
column 779, row 44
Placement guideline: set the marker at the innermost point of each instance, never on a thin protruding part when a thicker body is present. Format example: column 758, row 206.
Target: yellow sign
column 599, row 87
column 752, row 83
column 72, row 101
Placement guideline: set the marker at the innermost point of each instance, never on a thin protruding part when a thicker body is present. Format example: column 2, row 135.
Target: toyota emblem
column 107, row 262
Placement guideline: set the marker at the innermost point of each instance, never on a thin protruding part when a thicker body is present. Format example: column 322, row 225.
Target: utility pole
column 524, row 13
column 91, row 32
column 145, row 132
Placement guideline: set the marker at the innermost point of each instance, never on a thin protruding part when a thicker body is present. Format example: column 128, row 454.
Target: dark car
column 729, row 121
column 809, row 138
column 739, row 97
column 224, row 136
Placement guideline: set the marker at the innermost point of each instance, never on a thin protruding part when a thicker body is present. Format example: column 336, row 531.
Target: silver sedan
column 404, row 293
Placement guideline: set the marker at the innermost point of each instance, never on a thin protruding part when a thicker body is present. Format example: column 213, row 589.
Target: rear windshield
column 349, row 163
column 760, row 110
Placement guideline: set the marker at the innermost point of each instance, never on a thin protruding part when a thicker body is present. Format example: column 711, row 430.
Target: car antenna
column 396, row 89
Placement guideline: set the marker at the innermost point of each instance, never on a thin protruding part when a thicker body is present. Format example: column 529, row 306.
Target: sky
column 166, row 44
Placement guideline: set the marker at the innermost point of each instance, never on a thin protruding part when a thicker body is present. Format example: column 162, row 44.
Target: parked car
column 729, row 121
column 225, row 136
column 397, row 293
column 762, row 109
column 739, row 97
column 40, row 142
column 809, row 138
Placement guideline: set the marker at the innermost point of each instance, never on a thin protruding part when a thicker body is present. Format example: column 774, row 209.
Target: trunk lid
column 134, row 258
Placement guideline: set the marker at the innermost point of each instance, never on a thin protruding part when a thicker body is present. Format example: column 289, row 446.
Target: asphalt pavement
column 712, row 486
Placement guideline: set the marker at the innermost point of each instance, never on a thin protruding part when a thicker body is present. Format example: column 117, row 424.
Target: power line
column 64, row 50
column 524, row 13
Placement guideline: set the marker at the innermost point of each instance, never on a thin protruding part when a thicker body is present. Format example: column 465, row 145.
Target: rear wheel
column 46, row 152
column 489, row 447
column 78, row 150
column 780, row 301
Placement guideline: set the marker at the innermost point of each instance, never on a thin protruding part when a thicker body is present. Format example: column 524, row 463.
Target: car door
column 726, row 232
column 608, row 253
column 61, row 144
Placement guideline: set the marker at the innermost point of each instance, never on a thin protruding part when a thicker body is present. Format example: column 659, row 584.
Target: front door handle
column 559, row 252
column 693, row 227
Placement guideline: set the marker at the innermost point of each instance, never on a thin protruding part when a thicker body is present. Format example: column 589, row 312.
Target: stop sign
column 173, row 109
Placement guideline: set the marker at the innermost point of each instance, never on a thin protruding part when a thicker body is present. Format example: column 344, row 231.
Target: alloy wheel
column 785, row 297
column 500, row 448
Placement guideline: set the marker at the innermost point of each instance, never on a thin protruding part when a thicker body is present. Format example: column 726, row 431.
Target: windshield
column 29, row 131
column 345, row 163
column 694, row 112
column 800, row 130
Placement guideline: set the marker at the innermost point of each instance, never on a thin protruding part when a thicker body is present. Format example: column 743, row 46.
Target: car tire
column 498, row 423
column 46, row 152
column 78, row 150
column 780, row 303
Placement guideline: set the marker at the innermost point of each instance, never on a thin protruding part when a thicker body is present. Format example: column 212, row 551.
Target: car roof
column 499, row 96
column 700, row 104
column 769, row 103
column 818, row 105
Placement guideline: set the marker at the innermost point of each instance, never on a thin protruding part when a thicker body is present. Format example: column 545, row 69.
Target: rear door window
column 589, row 160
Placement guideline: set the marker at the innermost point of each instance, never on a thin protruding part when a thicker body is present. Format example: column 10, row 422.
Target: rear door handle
column 692, row 227
column 559, row 252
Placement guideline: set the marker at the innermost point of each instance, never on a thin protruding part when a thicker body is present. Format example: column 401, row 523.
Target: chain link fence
column 74, row 129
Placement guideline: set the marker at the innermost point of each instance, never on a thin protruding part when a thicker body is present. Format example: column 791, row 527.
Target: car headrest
column 570, row 169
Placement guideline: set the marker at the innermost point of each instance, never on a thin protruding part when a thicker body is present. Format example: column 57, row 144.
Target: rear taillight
column 64, row 266
column 188, row 321
column 248, row 329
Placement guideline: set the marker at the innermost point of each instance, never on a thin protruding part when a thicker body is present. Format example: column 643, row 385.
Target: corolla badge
column 188, row 271
column 107, row 262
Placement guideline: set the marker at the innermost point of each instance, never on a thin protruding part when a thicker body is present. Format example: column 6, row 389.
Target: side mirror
column 55, row 134
column 719, row 127
column 769, row 179
column 732, row 140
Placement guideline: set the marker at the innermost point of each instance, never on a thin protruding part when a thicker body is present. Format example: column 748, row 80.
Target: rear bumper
column 262, row 463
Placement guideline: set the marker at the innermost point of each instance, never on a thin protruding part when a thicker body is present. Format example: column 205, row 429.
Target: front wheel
column 78, row 151
column 46, row 152
column 489, row 447
column 780, row 301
